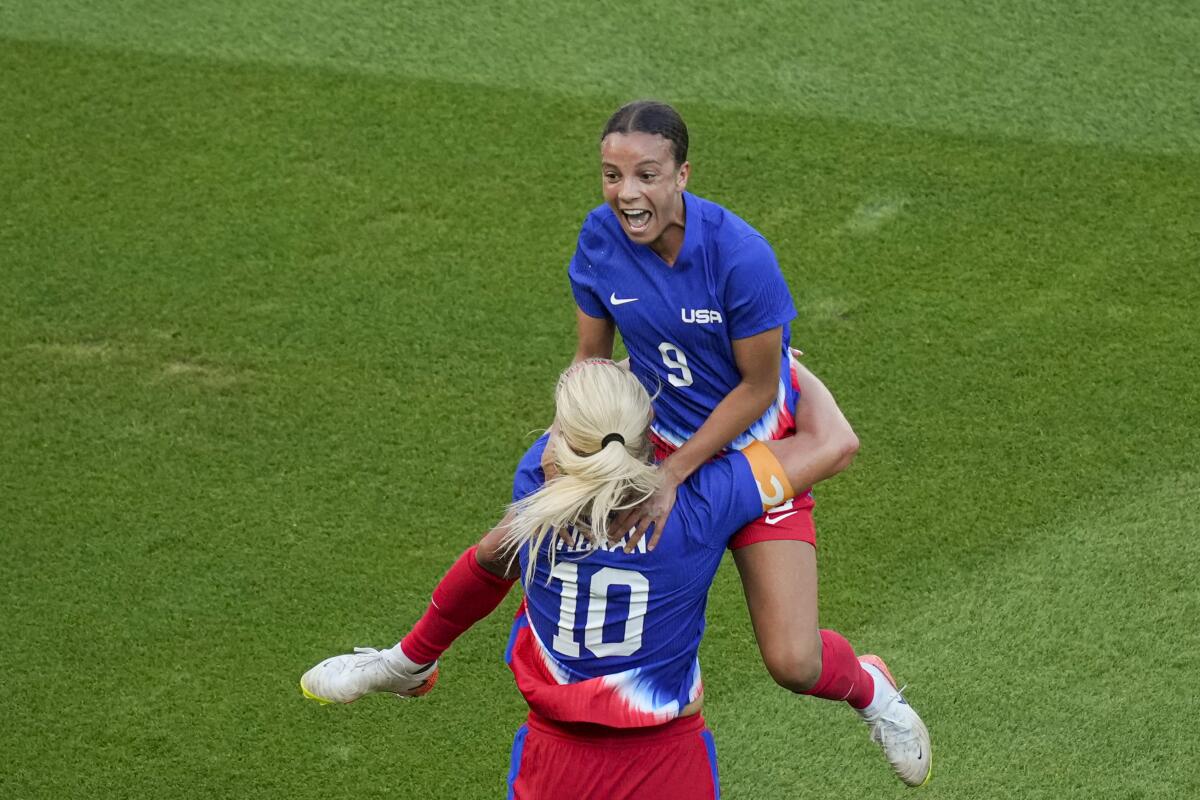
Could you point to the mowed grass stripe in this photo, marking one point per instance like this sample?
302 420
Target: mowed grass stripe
276 338
1061 671
1100 73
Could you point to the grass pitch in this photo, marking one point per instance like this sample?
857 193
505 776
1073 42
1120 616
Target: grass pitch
284 294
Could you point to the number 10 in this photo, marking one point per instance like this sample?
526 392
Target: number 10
639 592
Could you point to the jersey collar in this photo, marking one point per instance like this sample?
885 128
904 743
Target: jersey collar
693 230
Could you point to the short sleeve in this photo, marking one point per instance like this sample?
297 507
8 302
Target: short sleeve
756 295
529 476
731 492
584 276
724 498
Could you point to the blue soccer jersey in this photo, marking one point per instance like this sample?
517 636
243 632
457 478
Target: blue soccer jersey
611 638
679 322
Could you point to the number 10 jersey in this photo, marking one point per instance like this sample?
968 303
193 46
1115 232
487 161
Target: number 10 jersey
611 638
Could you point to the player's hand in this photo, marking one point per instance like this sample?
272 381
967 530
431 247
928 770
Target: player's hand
653 511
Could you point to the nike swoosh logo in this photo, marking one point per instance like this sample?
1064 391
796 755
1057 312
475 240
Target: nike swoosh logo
780 518
620 301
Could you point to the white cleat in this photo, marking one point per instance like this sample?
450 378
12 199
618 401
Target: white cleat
896 727
345 678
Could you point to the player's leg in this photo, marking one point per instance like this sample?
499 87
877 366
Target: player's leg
474 586
780 581
472 589
779 576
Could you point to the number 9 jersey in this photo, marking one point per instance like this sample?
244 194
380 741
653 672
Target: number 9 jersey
679 322
611 638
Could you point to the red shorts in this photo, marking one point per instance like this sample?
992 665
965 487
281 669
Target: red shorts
790 521
578 761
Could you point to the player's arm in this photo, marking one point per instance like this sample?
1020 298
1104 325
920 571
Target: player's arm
596 336
824 443
757 359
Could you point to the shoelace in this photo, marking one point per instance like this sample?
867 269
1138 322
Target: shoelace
890 729
374 657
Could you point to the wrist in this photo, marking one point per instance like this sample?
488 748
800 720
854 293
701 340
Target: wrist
672 473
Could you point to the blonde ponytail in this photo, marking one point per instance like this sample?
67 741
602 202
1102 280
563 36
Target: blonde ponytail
602 454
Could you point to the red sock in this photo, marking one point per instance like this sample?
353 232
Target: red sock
842 677
466 595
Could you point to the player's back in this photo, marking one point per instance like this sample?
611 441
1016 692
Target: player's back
611 637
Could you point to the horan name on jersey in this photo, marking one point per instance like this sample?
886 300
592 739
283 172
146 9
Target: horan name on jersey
574 542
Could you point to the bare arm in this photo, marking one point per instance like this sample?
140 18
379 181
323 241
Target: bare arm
596 336
757 358
824 443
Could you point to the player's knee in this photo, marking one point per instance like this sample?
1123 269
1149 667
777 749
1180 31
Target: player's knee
795 666
492 559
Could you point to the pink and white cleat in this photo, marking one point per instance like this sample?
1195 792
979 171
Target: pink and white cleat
345 678
896 727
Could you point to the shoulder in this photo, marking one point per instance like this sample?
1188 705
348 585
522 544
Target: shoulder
722 471
598 241
729 236
598 226
720 498
723 224
529 476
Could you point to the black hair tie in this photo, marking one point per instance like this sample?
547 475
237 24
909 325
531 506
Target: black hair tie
612 437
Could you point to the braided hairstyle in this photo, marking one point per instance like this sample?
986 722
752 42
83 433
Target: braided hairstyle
653 117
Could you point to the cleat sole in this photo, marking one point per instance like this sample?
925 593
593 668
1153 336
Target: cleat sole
312 696
425 688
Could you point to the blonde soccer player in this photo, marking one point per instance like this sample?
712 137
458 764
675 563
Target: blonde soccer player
604 649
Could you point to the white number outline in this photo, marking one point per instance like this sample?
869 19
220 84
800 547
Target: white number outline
604 579
564 639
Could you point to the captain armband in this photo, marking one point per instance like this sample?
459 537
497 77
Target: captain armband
773 484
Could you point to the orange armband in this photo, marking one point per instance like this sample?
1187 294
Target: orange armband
773 484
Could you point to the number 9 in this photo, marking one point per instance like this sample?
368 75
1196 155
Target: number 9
673 358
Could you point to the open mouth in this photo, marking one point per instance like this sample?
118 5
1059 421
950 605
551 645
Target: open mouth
638 219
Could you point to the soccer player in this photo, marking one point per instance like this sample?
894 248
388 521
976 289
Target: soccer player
703 310
604 650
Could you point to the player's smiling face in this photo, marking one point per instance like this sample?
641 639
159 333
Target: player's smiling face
644 187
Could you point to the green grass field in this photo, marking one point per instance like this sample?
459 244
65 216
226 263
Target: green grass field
284 295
